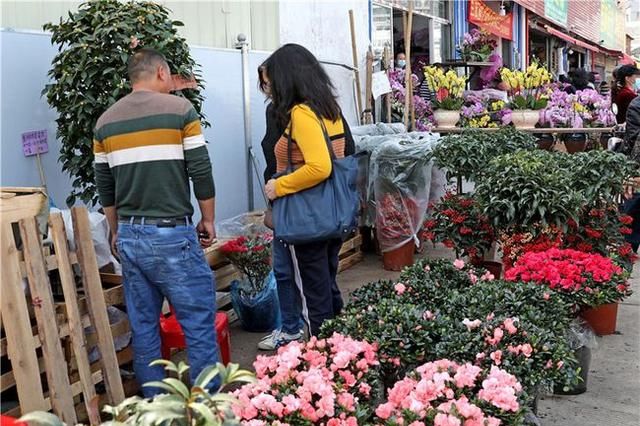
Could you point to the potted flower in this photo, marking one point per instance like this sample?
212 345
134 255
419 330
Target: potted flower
526 93
457 222
592 283
449 393
422 108
254 297
477 45
479 112
448 87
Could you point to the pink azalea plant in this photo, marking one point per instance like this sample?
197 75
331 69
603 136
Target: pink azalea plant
446 393
329 381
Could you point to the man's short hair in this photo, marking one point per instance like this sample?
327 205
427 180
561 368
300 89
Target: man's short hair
143 64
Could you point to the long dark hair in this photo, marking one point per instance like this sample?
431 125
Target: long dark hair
296 77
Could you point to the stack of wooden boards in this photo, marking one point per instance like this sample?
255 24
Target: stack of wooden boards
44 339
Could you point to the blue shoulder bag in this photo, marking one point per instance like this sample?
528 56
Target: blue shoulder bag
323 212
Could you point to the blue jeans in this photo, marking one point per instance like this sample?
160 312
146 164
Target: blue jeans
288 294
160 263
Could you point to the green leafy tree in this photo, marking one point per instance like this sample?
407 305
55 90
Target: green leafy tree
89 73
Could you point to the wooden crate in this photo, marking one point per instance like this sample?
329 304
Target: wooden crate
351 253
45 340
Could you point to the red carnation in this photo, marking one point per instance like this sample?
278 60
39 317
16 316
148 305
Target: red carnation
625 230
626 219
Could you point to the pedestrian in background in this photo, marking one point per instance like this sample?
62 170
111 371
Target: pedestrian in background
625 90
147 146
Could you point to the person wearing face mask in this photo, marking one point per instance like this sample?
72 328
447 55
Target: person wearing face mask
401 60
625 90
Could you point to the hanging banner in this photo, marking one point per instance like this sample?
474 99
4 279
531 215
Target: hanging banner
557 10
491 21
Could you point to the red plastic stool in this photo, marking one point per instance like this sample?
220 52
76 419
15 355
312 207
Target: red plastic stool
173 337
10 421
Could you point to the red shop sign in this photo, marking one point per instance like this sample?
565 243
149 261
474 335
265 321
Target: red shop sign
489 20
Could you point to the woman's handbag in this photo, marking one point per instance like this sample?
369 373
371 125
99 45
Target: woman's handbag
326 211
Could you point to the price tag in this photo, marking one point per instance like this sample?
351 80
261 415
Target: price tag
34 142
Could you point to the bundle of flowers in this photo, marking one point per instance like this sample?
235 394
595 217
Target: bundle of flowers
445 393
329 381
594 108
484 112
448 87
526 89
422 108
602 230
583 279
457 221
477 45
252 257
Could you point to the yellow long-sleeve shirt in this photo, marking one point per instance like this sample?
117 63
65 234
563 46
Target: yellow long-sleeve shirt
309 153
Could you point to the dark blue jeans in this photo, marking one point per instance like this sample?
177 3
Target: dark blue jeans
288 294
160 263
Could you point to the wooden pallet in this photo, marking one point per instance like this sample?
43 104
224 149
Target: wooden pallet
45 340
351 253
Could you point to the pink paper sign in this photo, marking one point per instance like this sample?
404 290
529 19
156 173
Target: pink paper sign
34 142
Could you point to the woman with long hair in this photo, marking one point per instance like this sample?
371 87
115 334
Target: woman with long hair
624 90
304 104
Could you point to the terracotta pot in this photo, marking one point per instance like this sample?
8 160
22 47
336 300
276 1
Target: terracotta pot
525 118
583 355
446 119
575 142
494 267
602 319
546 141
397 259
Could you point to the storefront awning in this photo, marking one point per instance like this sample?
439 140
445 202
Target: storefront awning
570 39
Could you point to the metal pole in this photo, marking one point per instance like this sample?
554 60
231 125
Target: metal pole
243 45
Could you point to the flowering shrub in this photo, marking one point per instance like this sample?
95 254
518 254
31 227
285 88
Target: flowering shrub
477 45
457 222
583 279
448 87
445 393
526 89
329 381
484 112
422 108
252 257
538 238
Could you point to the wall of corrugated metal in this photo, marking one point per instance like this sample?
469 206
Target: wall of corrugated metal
207 23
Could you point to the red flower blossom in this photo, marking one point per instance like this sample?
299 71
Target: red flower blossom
625 230
593 233
626 219
465 231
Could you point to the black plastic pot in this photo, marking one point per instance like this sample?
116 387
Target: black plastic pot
545 141
575 142
583 356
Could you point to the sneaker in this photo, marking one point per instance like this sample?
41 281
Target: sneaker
276 339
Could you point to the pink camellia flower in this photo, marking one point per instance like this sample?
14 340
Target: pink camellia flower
491 316
546 296
527 350
497 337
458 263
508 325
428 315
549 364
487 276
560 364
473 277
496 356
471 324
481 356
446 420
384 410
400 288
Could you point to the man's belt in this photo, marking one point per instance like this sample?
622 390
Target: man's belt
160 222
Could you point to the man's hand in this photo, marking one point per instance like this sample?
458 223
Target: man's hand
114 247
270 189
206 233
630 187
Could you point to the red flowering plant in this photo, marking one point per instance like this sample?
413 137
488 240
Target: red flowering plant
330 381
394 220
252 257
457 222
602 230
446 393
582 279
539 238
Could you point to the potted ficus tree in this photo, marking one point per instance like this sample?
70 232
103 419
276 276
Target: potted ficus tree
88 74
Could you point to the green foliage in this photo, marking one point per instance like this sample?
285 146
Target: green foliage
465 155
520 190
89 73
179 406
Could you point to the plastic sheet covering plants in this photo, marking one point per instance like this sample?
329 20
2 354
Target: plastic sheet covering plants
259 311
245 224
401 175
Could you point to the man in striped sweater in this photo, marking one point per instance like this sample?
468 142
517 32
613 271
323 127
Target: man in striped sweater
147 146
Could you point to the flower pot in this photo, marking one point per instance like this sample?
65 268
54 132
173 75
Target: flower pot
525 118
602 319
398 258
446 119
545 141
575 142
583 355
495 268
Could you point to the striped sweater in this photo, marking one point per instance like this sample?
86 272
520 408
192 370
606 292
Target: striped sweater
146 147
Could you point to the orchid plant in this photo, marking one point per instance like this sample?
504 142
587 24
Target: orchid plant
422 108
484 112
477 45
